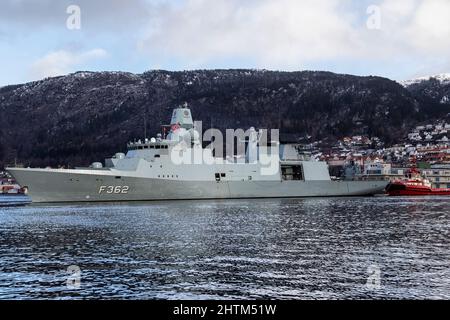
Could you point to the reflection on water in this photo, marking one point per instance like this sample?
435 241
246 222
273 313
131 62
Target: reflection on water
281 249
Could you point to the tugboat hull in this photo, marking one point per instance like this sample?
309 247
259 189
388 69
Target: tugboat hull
403 189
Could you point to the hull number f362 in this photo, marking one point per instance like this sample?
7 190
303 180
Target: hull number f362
113 189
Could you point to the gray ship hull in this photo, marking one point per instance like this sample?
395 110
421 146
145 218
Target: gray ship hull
69 186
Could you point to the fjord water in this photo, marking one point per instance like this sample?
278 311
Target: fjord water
324 248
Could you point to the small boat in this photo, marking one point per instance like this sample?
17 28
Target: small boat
414 184
8 187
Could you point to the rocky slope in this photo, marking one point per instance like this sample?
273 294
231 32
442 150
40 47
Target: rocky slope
75 119
433 91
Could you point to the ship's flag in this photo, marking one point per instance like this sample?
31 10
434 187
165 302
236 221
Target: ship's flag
175 127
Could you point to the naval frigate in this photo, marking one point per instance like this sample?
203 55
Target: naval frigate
162 169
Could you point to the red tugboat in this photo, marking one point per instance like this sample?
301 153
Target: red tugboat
414 184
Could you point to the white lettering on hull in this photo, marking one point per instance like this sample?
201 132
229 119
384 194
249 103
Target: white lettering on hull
113 189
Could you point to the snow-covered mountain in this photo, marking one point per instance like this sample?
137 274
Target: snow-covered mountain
443 78
430 90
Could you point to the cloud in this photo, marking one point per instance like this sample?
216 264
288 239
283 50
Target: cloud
275 33
418 25
289 34
430 27
99 16
270 34
417 30
62 62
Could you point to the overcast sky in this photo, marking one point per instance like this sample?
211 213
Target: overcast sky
399 39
